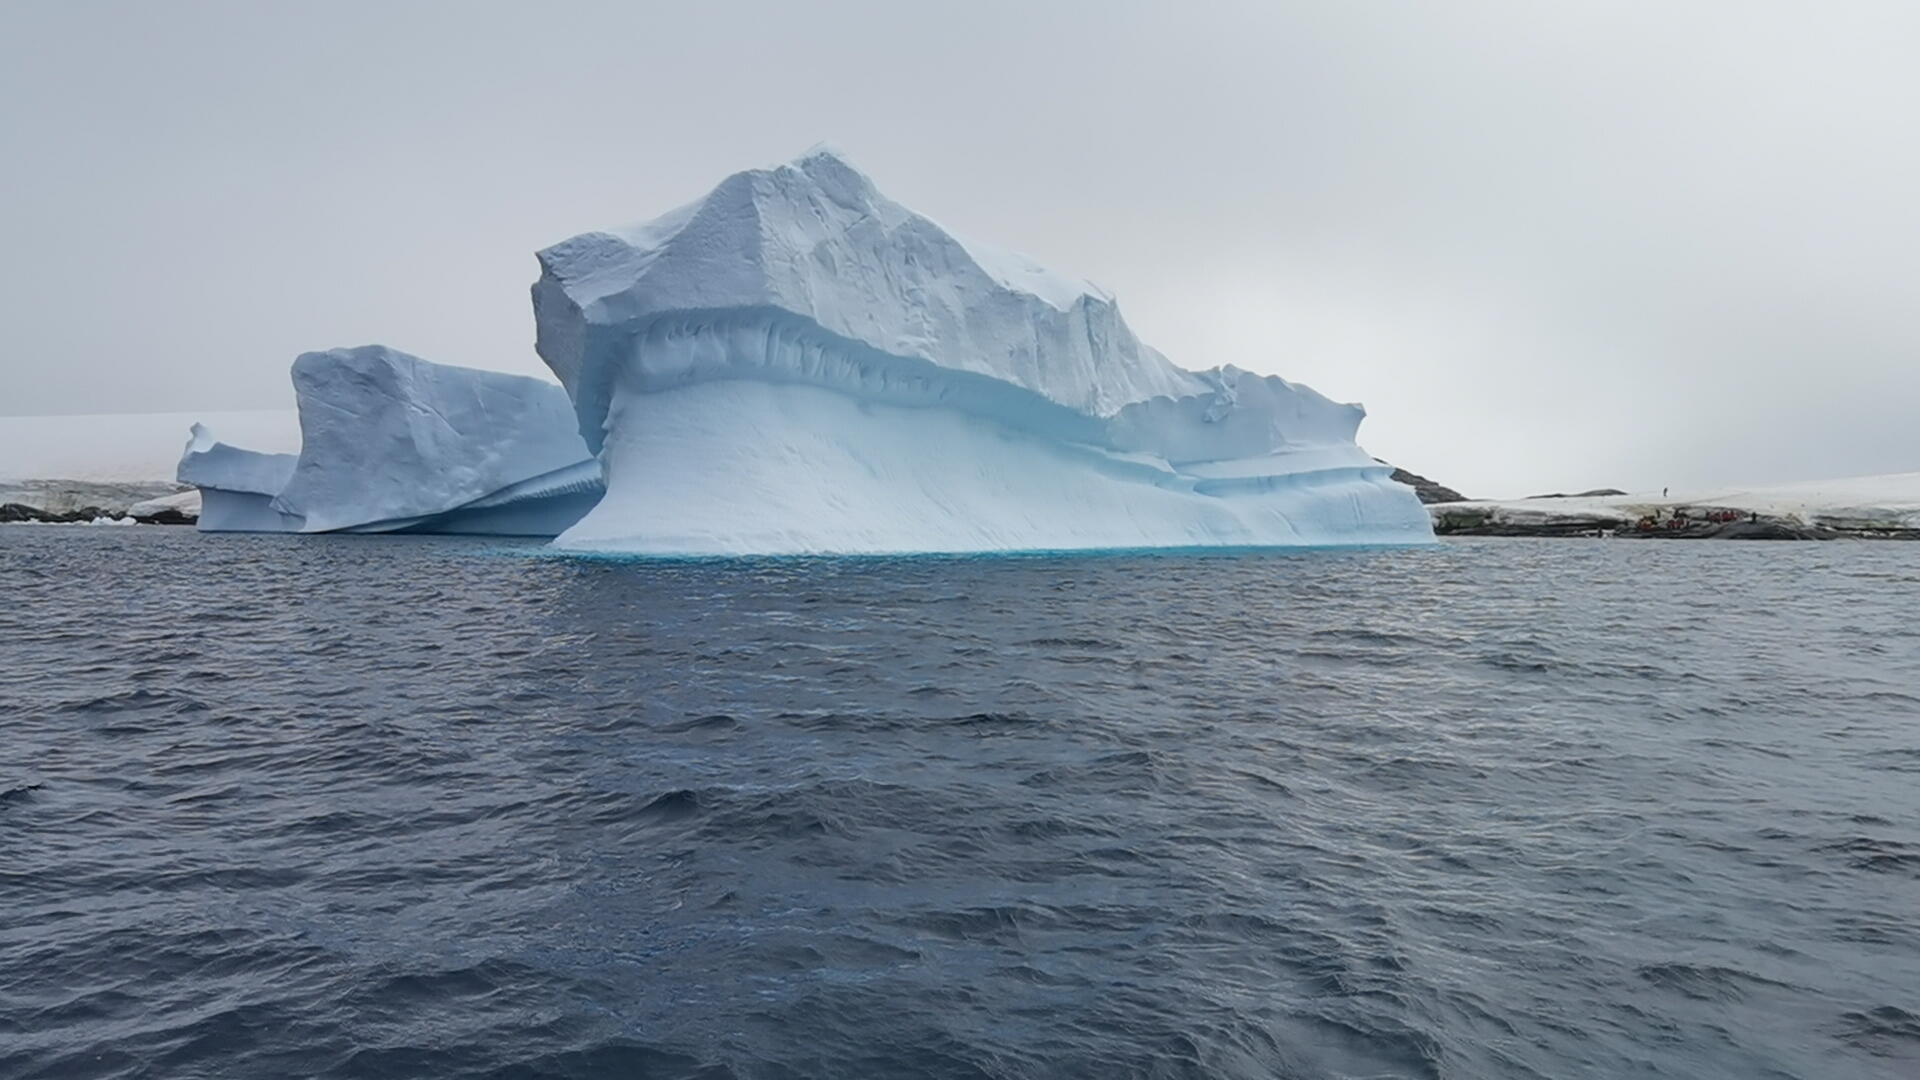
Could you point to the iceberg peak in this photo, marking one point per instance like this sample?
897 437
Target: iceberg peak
815 246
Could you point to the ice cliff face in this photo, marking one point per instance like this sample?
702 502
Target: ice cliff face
796 363
391 442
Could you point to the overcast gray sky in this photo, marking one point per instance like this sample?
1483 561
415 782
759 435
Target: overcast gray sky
1549 245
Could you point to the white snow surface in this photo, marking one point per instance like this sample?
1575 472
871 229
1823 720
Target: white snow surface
795 363
1888 501
183 502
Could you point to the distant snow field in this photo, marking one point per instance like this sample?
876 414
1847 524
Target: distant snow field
130 448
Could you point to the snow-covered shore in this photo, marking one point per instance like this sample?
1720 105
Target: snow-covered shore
127 448
66 501
1862 506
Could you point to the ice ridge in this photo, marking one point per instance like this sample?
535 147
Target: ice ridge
815 240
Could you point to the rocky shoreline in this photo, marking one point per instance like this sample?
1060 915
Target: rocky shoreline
1627 518
1454 521
61 502
1427 491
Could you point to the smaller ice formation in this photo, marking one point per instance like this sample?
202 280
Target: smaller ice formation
393 443
796 363
236 486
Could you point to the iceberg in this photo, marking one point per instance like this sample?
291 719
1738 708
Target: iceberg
797 364
394 443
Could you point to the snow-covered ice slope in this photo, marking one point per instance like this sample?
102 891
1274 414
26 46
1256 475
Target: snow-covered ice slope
391 442
795 363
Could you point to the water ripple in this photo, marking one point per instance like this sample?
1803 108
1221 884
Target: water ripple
393 806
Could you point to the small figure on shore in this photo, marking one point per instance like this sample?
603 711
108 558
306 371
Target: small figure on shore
1663 493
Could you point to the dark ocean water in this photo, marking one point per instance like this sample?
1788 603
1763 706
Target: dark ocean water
397 807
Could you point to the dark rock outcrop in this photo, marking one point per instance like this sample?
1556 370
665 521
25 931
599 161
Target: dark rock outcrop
1427 491
167 516
1703 523
58 502
20 512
